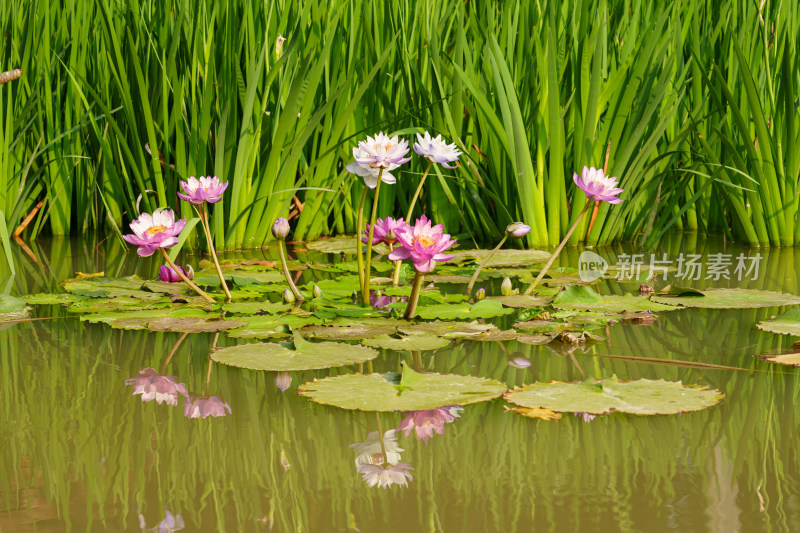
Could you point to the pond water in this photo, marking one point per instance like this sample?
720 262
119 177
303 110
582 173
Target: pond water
79 452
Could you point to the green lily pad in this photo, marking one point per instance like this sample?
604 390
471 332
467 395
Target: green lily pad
271 326
463 310
152 314
586 299
503 257
353 332
303 355
177 324
342 244
522 301
788 359
166 287
50 299
102 284
253 308
675 290
12 304
597 397
496 335
415 343
416 392
455 330
786 324
730 299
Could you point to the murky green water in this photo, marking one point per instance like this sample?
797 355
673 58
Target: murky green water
78 452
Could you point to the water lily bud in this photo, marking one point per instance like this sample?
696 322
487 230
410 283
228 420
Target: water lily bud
189 271
279 45
283 380
355 297
517 230
288 296
480 295
316 292
505 287
280 229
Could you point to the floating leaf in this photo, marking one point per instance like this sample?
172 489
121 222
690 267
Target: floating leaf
496 335
418 391
503 257
586 299
786 324
303 356
354 332
597 397
675 290
178 312
417 343
788 359
342 244
463 310
522 301
50 299
447 329
731 299
252 308
177 324
12 304
535 412
271 326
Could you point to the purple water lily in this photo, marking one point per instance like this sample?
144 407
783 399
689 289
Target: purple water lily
436 150
205 406
423 243
597 186
151 232
428 421
205 189
168 274
384 230
153 386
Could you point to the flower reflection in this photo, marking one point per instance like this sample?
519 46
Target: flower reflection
586 416
169 524
428 421
384 477
153 386
205 406
283 380
369 452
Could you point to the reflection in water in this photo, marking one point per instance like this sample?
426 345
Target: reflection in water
586 416
428 421
153 386
169 524
370 452
283 380
385 477
205 406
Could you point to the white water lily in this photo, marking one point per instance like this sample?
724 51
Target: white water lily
369 173
369 452
385 477
436 150
382 151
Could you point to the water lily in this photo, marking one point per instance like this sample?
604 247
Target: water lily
167 274
516 230
153 386
279 45
280 229
423 243
370 453
597 186
151 232
436 149
385 477
381 151
205 406
427 421
283 380
384 231
205 189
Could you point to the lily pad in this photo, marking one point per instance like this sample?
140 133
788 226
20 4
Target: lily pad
463 310
730 299
503 257
522 301
786 324
601 396
353 332
303 355
454 330
416 392
587 299
12 304
253 308
788 359
271 326
177 324
416 343
342 244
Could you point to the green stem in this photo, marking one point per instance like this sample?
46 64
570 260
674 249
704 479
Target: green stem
286 274
207 228
359 244
380 438
367 266
172 352
396 276
560 247
418 191
483 264
411 308
197 289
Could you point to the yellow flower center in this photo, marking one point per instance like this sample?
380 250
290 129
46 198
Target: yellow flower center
152 230
425 241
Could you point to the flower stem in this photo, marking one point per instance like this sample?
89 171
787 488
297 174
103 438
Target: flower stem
560 247
359 245
207 228
418 191
483 264
172 352
411 308
396 277
380 438
367 266
197 289
286 274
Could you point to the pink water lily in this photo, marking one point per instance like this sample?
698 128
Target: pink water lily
384 230
428 421
153 386
385 477
151 232
168 274
205 406
423 243
436 150
597 186
205 189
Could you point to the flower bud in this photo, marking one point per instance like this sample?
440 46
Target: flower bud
480 295
189 271
316 292
283 380
280 229
505 287
288 296
279 46
517 230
